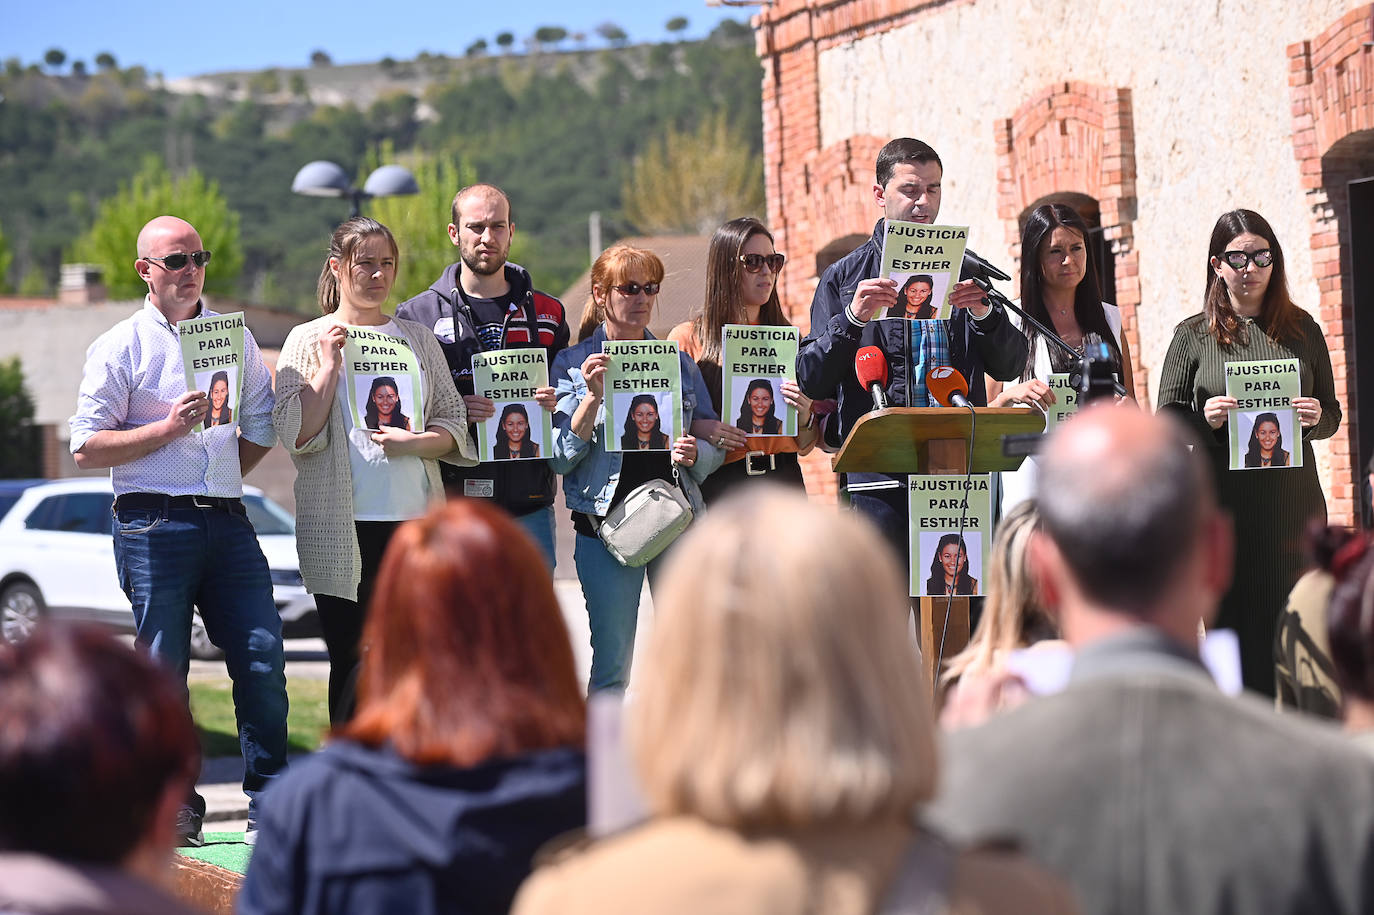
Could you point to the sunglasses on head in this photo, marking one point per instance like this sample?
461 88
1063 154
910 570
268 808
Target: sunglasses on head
1238 259
178 261
628 289
754 263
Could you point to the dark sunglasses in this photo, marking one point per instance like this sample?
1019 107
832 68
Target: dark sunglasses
1238 259
178 261
755 263
629 289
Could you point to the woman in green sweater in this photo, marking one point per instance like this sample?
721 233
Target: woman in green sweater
1248 315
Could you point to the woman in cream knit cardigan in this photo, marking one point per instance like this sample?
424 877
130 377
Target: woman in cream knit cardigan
355 485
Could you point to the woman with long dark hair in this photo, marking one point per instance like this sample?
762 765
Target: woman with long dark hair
1265 448
1059 288
384 405
1248 314
355 485
915 300
742 270
756 411
513 434
465 754
643 426
221 414
949 568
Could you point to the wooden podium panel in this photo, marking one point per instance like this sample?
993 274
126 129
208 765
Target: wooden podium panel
932 440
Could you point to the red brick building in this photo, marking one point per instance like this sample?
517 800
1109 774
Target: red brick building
1151 120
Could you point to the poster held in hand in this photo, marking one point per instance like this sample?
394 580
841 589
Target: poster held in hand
382 379
755 361
1264 430
925 261
643 395
212 356
1066 400
941 560
520 429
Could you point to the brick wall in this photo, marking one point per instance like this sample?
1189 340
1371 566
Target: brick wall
1331 80
1077 137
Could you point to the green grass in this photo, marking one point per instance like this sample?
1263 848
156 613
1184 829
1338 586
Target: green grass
212 704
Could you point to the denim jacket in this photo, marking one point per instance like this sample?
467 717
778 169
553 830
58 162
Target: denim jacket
590 472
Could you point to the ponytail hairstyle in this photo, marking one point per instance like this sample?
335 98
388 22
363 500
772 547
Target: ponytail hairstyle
350 233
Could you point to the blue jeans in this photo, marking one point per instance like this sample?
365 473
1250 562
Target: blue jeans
171 560
539 525
611 591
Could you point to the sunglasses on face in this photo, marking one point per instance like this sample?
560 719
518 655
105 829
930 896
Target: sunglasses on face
1238 259
178 261
754 263
629 289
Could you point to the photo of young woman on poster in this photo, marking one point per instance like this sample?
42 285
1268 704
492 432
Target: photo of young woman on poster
1265 448
949 565
644 425
384 405
916 299
757 415
515 436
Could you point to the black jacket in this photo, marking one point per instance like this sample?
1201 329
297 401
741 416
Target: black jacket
825 362
355 829
518 486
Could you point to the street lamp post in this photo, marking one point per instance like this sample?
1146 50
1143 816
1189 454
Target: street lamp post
323 178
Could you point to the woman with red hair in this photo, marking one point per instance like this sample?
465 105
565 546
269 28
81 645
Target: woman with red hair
465 753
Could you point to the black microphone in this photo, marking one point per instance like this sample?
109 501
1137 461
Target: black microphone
977 268
870 366
948 386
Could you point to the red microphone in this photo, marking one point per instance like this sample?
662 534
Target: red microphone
947 386
870 365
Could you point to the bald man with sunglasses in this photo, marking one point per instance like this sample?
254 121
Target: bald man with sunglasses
181 535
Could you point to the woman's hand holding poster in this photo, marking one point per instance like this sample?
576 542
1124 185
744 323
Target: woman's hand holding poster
382 381
520 429
755 361
925 261
943 560
212 356
643 395
1263 428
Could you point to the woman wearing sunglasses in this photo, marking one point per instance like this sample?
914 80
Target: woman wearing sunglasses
742 288
1247 314
625 283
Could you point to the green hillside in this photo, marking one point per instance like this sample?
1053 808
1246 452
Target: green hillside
559 131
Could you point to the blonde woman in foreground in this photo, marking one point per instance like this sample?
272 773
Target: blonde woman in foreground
783 739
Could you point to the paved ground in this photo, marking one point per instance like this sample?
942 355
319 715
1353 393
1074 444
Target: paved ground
221 779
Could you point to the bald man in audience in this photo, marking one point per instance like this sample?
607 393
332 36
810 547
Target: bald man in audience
1142 783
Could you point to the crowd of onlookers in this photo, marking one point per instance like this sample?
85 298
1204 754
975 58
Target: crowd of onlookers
781 733
781 739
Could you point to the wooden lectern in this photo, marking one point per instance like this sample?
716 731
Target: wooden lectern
901 440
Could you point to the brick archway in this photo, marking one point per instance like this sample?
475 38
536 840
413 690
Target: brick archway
1330 80
1079 138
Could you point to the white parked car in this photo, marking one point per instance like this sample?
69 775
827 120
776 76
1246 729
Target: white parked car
57 559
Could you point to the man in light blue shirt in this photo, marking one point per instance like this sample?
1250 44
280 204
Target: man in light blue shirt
181 535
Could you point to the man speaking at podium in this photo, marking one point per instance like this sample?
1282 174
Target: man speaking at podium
977 339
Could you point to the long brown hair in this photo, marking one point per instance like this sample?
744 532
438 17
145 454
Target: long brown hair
1278 315
723 301
350 233
612 268
468 657
1087 298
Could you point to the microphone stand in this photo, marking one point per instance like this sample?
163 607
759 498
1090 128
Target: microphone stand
998 299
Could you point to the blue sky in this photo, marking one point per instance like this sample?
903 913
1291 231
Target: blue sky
183 39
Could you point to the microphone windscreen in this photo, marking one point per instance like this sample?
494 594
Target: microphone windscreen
944 382
870 366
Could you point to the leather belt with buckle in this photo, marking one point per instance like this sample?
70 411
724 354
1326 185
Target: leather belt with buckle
759 471
154 501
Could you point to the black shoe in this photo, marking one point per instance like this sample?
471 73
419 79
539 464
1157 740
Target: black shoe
189 834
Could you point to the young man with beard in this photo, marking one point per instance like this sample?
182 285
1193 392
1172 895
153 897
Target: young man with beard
483 303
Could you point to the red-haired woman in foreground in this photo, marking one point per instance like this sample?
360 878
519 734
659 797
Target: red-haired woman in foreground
465 753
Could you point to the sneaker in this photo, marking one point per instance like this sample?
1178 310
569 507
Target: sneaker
250 835
189 834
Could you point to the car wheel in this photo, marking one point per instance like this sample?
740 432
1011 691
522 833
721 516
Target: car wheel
21 609
202 649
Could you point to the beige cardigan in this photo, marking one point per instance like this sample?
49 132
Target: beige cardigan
326 539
